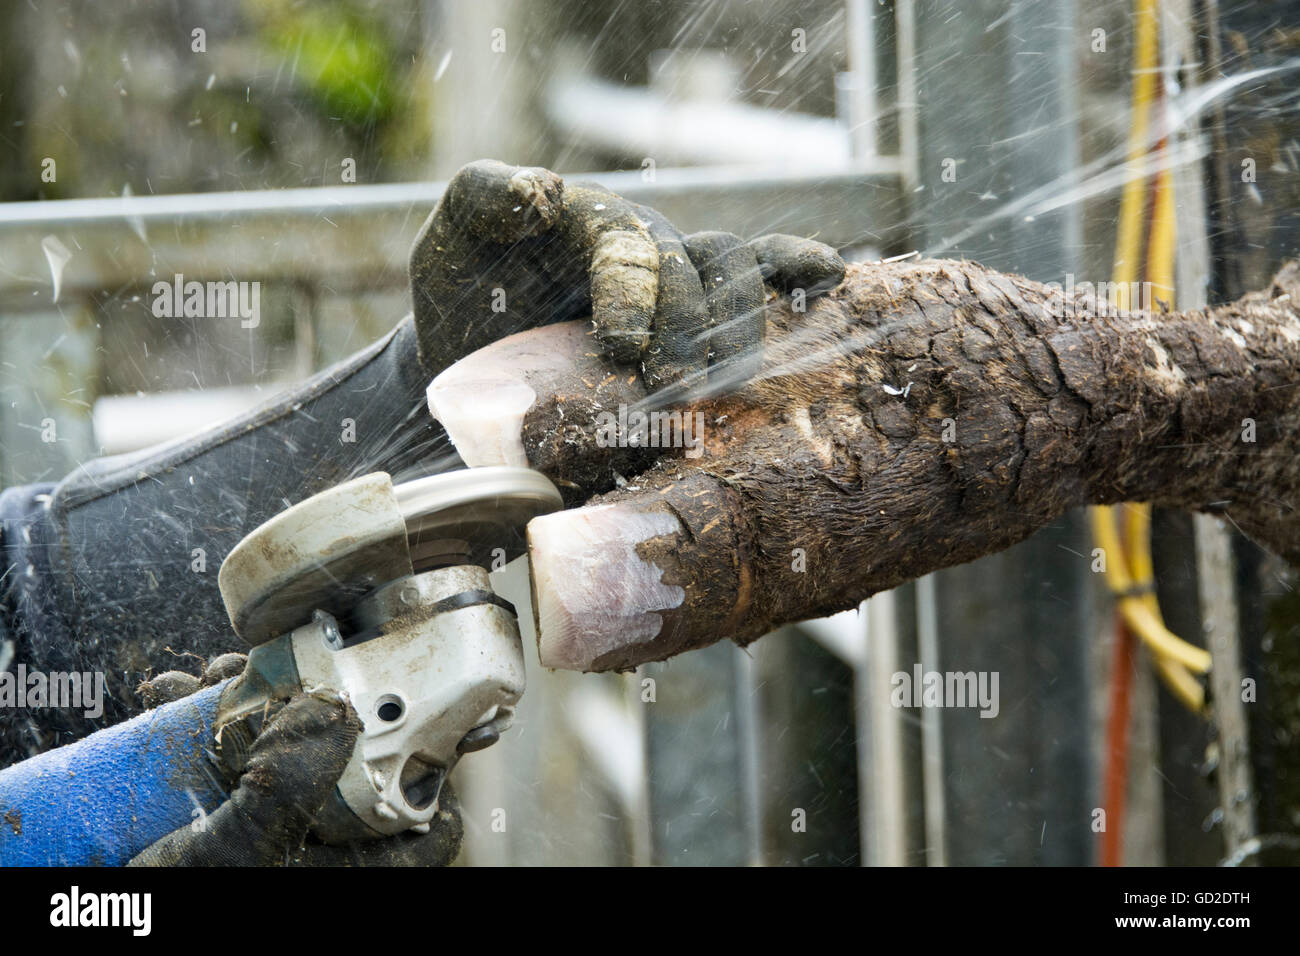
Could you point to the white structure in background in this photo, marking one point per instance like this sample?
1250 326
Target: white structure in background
125 423
688 116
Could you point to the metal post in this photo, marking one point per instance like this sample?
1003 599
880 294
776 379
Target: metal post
1214 567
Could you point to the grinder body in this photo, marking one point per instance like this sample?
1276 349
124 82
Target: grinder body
435 657
373 590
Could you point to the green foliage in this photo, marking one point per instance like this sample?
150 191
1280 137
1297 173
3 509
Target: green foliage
344 60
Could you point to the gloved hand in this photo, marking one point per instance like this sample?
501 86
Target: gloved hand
511 248
293 767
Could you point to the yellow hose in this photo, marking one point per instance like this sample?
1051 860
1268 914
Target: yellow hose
1137 536
1137 533
1174 659
1160 639
1178 680
1145 61
1136 607
1130 573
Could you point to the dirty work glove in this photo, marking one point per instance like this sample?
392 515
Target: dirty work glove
511 248
293 767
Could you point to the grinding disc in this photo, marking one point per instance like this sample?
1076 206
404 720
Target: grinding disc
473 516
327 552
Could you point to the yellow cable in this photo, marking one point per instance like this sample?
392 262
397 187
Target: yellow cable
1135 608
1145 61
1115 562
1130 574
1178 680
1160 639
1137 539
1160 274
1137 533
1160 251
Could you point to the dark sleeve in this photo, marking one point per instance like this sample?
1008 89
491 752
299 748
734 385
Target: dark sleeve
115 567
25 606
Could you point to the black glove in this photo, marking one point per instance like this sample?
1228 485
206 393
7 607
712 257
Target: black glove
293 767
511 248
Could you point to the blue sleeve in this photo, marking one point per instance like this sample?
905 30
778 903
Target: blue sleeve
103 799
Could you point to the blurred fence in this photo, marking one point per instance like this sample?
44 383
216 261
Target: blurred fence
331 263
